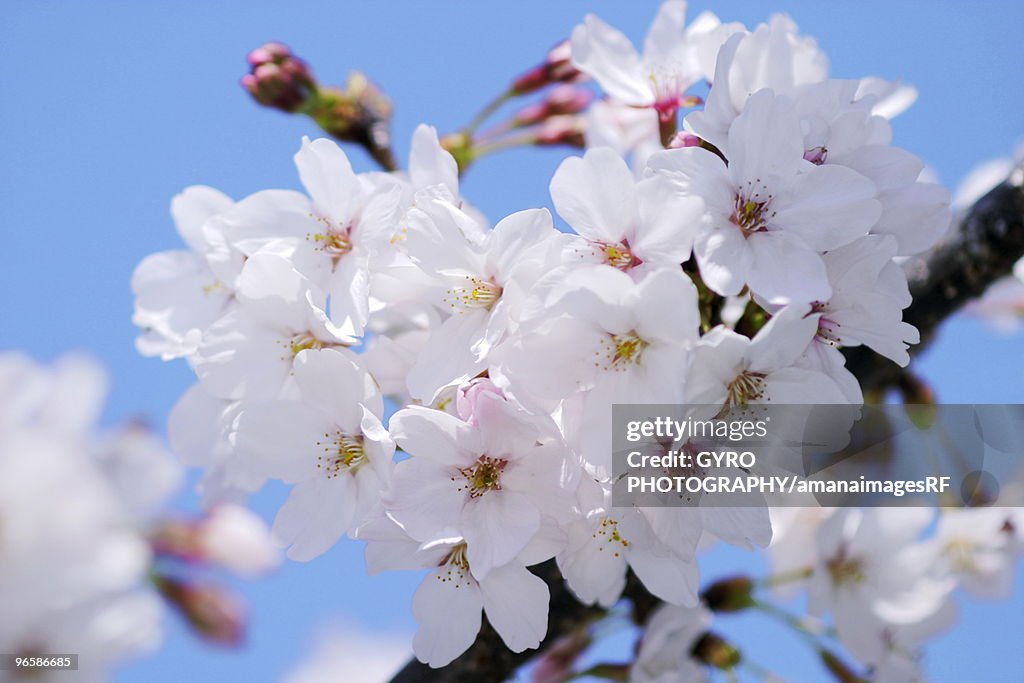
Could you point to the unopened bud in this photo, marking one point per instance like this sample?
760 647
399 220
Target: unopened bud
213 612
732 594
564 99
278 78
715 651
469 395
567 129
556 68
177 539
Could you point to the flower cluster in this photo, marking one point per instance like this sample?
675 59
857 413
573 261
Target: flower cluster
723 266
86 549
886 575
75 506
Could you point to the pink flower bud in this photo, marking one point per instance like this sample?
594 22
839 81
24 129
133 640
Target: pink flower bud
567 129
469 395
556 68
216 614
567 99
278 78
564 99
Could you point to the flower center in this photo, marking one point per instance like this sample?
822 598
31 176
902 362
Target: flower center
618 255
827 329
475 294
816 155
335 241
752 209
302 341
621 350
746 387
843 569
457 565
607 533
484 475
961 553
343 453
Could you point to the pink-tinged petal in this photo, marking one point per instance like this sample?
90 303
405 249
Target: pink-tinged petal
238 358
606 54
440 238
516 604
349 290
829 206
435 435
268 216
765 140
887 167
430 164
595 573
555 361
725 259
665 35
194 426
595 195
715 362
796 386
696 172
782 269
192 208
917 216
669 222
330 380
328 177
513 237
316 514
497 526
668 577
176 298
378 444
448 356
424 499
782 340
712 122
740 526
666 308
273 292
447 606
285 440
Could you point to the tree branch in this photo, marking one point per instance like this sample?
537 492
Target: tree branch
990 239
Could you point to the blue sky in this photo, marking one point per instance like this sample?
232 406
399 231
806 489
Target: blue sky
109 108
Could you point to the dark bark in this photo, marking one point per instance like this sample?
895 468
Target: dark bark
990 239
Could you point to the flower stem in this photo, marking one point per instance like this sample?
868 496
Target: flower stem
487 110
